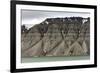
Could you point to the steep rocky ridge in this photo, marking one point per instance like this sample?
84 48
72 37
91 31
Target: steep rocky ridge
68 36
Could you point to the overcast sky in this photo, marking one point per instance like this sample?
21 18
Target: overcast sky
32 17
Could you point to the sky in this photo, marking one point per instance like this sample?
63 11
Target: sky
33 17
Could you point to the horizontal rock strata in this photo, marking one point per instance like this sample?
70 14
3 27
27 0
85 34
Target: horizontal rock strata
68 36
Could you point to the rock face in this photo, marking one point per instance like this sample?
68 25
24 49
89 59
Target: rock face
68 36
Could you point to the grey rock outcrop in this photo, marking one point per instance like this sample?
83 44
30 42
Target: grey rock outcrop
68 36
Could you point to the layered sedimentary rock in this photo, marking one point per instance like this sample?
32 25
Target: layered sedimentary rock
68 36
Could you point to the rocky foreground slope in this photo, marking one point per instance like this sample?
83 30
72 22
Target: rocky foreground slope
68 36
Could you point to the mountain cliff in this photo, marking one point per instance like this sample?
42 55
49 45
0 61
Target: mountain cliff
68 36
